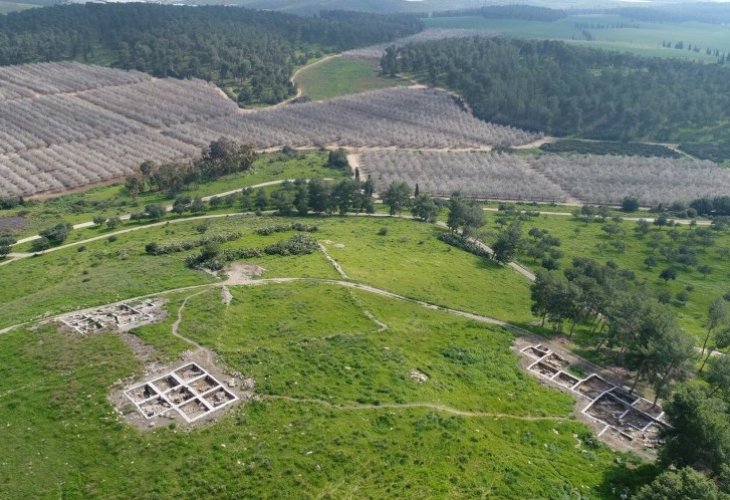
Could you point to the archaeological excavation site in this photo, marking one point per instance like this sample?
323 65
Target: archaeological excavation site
619 416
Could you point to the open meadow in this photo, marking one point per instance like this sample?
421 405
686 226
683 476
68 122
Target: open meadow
341 76
703 279
338 413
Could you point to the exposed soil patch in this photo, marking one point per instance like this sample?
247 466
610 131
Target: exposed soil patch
12 223
241 273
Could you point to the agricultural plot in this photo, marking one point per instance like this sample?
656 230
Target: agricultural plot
428 35
553 178
474 174
608 179
397 117
66 125
28 80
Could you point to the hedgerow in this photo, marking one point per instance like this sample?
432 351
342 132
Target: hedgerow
182 246
467 245
282 228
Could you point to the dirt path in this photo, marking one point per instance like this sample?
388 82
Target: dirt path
176 324
334 263
536 144
168 208
401 406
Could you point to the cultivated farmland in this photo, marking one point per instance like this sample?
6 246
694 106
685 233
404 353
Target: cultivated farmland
586 178
474 174
66 125
396 117
608 179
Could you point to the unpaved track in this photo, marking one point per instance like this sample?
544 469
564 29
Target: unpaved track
334 263
176 324
401 406
168 208
262 282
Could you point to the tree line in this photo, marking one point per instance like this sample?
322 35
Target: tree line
254 52
565 90
219 158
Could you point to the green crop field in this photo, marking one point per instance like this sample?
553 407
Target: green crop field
615 33
341 76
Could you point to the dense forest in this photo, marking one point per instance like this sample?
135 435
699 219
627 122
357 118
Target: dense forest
564 90
251 52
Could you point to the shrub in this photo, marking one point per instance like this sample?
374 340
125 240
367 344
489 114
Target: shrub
41 244
57 234
338 159
466 245
383 231
298 226
630 204
113 222
182 246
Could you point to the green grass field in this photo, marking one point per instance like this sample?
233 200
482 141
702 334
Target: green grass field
301 341
341 76
587 239
339 413
644 40
109 271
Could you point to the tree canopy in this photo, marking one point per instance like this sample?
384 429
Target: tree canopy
252 52
565 90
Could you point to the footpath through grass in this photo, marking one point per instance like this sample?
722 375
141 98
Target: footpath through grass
64 439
